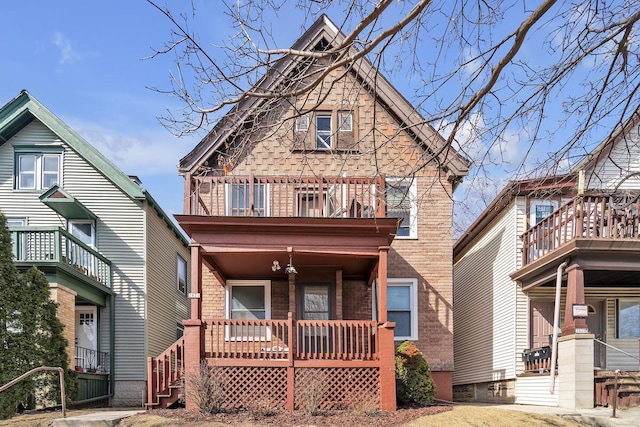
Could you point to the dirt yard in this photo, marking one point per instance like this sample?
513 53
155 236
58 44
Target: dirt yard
436 416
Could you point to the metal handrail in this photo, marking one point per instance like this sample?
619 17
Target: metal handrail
617 349
38 369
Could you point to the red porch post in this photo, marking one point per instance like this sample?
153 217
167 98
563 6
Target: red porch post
194 327
575 295
386 347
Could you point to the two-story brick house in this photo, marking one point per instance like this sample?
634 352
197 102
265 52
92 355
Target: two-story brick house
321 238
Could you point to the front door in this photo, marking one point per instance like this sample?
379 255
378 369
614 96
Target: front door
595 324
315 304
86 336
541 323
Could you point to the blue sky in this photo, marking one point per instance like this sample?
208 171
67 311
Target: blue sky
83 60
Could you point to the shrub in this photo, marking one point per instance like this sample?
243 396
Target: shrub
413 376
206 389
312 395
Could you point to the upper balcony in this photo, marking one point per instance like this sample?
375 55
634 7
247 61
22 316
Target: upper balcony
584 217
54 246
336 197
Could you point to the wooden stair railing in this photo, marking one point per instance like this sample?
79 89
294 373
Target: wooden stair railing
164 375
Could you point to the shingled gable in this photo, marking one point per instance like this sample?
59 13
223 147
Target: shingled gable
323 29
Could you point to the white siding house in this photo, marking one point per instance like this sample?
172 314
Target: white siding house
110 249
581 230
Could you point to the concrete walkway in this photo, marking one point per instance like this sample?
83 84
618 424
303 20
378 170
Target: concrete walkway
598 416
97 419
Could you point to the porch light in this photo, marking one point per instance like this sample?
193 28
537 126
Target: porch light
290 269
276 265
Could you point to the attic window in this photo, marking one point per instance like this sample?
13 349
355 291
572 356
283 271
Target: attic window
323 131
302 123
345 122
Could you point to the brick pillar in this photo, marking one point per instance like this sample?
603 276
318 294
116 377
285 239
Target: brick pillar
575 295
387 367
66 313
193 352
575 371
292 295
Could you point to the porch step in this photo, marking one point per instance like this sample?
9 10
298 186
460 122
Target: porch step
97 419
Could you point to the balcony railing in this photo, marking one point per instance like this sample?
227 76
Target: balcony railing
589 217
56 245
337 197
339 340
88 360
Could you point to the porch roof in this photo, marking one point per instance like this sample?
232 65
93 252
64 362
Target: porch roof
246 247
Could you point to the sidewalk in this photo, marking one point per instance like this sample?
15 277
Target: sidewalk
598 416
97 419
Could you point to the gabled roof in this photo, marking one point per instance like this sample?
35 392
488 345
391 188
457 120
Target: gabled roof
324 29
24 108
603 149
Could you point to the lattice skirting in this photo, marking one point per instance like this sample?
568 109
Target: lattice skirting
246 386
328 388
340 388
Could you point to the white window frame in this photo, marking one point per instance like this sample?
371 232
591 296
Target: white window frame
617 313
229 199
228 290
413 209
302 123
329 133
38 169
345 125
181 262
72 223
413 292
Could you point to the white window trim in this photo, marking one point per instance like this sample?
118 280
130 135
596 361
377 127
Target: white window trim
325 115
228 194
341 116
413 210
186 274
413 283
267 307
302 123
38 169
534 204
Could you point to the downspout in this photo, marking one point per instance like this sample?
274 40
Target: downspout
112 341
556 321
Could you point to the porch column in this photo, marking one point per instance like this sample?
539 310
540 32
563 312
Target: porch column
387 367
196 281
382 283
575 295
194 327
292 295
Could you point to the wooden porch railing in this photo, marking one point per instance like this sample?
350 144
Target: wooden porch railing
165 372
336 197
331 340
583 217
55 244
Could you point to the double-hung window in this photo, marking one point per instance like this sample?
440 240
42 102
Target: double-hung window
246 199
402 307
402 203
248 300
181 266
324 133
628 319
37 171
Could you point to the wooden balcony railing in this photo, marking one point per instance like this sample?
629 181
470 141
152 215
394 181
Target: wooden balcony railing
339 340
56 245
583 217
338 197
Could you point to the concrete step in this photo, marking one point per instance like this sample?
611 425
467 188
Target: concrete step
97 419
